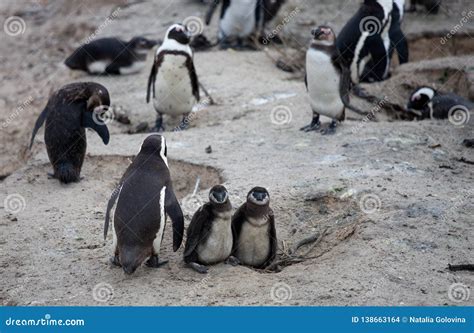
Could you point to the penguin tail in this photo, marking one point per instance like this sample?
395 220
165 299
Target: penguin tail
66 173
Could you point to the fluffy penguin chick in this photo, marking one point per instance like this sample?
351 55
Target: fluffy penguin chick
253 228
209 235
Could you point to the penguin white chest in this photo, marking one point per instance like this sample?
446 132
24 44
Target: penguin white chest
253 246
323 84
239 19
173 90
218 244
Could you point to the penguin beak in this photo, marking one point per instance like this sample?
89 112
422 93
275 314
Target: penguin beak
259 196
316 33
220 196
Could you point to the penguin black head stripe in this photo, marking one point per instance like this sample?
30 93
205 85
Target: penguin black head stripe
179 33
69 111
420 98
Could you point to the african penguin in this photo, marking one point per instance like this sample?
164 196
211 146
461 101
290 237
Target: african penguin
253 228
396 41
267 10
322 65
427 103
111 56
365 39
69 111
209 235
238 20
173 82
144 197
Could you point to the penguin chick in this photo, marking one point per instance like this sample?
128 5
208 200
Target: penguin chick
253 228
209 235
69 111
173 82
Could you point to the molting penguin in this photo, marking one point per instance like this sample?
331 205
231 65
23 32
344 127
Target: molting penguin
322 65
145 196
365 39
111 56
426 103
69 111
173 80
253 227
238 20
209 235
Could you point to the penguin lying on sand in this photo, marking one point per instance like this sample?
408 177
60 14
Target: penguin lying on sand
209 236
327 81
173 83
69 111
144 197
111 56
425 102
253 227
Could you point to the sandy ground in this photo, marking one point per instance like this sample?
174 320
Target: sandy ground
394 198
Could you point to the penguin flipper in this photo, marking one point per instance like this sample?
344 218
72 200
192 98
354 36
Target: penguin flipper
345 85
194 78
273 239
173 209
38 124
88 121
110 205
152 76
379 59
399 42
198 229
237 220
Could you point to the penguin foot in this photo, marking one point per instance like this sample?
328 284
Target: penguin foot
330 130
314 126
115 261
233 261
198 268
154 262
157 129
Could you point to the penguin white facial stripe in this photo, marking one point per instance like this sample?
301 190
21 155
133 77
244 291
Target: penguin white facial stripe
159 235
173 45
162 152
423 91
355 61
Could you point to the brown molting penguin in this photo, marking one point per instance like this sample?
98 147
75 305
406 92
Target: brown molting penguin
144 197
253 228
209 236
69 111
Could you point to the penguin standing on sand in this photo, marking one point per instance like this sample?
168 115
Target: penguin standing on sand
144 197
111 56
398 40
69 111
209 236
173 82
427 103
238 20
253 227
364 39
322 66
